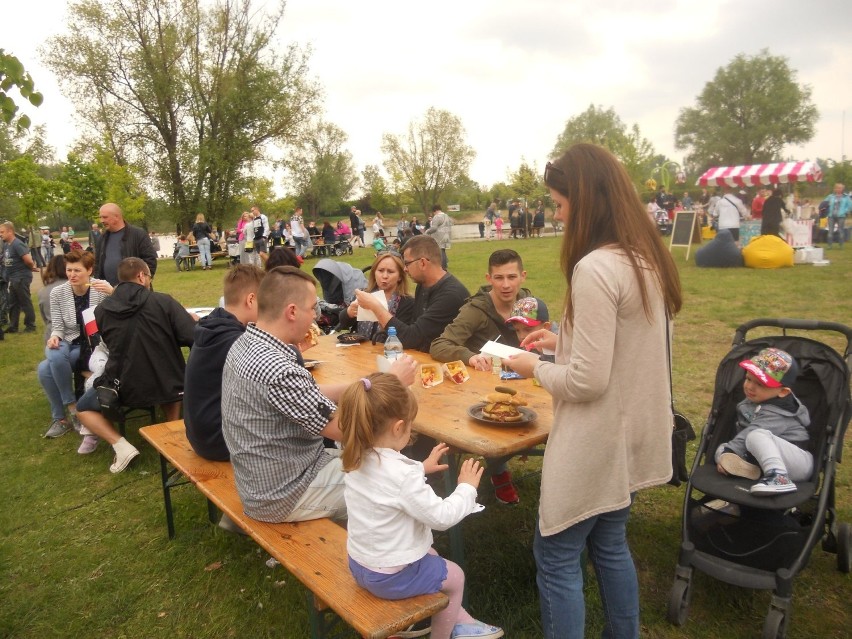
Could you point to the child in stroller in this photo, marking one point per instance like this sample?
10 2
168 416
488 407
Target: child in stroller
772 427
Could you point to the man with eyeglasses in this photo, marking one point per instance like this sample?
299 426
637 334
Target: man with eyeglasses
437 300
144 331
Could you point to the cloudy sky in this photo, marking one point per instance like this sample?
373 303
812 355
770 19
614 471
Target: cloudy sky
515 70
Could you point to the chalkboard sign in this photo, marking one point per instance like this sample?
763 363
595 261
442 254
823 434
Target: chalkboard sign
684 223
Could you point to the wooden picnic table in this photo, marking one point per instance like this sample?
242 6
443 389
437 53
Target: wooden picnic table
443 410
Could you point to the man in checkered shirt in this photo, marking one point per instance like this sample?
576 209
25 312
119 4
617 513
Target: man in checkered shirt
274 416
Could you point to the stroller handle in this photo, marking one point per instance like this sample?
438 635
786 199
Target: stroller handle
794 324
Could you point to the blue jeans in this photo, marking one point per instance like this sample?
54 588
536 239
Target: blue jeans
204 251
560 577
56 374
301 245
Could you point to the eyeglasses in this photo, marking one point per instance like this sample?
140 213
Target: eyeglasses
549 169
416 259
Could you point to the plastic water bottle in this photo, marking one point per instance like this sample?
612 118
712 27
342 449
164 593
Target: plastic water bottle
393 347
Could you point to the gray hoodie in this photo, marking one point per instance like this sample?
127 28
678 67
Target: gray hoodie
785 417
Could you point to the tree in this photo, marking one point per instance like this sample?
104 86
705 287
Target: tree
375 189
13 74
430 157
527 182
603 127
747 114
322 172
34 196
192 92
85 188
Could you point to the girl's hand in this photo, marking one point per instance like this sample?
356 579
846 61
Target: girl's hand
53 342
470 472
540 339
432 464
523 364
352 309
404 368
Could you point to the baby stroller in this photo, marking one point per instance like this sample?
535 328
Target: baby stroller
763 542
233 251
338 281
342 245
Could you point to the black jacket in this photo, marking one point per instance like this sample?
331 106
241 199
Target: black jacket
144 332
134 243
202 399
434 308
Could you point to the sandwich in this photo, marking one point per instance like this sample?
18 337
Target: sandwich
502 405
312 336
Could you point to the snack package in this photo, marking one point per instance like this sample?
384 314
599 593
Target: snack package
456 371
431 375
510 375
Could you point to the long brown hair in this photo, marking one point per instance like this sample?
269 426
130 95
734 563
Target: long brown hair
605 209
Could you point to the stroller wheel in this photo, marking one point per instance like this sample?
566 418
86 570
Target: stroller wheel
679 602
775 626
350 250
338 251
844 547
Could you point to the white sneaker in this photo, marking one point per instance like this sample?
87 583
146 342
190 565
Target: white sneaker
125 452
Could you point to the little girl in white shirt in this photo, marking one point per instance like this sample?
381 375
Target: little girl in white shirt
392 510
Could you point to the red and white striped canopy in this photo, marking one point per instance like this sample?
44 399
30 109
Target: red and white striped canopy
755 174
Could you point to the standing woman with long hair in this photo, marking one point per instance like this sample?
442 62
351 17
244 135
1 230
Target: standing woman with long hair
612 421
202 231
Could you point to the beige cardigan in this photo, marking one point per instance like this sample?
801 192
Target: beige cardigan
612 421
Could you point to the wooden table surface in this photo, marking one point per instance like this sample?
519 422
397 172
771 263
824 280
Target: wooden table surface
443 409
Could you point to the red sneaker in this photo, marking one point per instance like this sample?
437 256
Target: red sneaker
504 489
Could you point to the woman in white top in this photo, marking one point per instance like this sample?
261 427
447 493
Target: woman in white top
67 336
612 418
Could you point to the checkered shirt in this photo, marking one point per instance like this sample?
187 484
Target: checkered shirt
272 413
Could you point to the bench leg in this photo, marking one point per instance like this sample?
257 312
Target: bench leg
212 512
325 624
166 476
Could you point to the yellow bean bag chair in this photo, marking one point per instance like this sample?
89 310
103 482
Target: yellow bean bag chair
768 251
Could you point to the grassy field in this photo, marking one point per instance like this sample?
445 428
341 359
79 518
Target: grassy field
84 553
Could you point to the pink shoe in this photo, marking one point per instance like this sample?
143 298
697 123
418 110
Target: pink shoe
88 445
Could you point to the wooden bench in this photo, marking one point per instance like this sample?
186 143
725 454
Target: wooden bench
312 551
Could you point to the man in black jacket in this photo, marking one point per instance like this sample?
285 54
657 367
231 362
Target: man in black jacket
120 240
214 335
144 332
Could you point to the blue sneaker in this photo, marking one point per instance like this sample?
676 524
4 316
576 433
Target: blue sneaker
773 484
476 629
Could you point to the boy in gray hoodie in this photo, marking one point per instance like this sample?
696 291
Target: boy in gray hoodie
772 436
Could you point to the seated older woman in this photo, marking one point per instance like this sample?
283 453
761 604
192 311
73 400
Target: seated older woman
387 275
64 346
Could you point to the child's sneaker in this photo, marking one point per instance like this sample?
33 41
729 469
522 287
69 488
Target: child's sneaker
739 467
773 484
504 489
476 629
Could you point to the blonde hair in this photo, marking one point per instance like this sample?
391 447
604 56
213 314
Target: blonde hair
402 283
366 410
199 217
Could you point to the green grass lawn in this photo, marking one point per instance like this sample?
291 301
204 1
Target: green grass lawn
84 553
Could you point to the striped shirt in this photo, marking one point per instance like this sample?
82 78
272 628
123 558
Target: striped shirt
272 414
